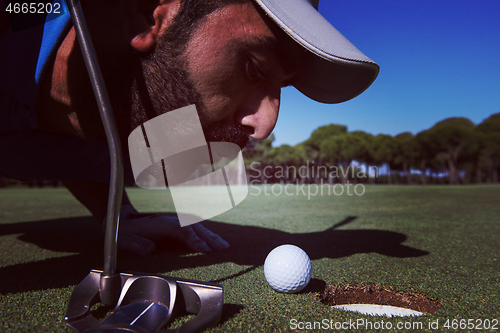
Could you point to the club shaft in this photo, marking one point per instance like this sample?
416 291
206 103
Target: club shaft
108 121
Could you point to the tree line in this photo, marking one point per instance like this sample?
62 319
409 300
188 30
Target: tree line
453 151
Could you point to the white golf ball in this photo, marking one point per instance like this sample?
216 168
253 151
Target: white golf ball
287 269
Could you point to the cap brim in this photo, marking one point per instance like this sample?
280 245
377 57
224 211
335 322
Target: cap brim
334 70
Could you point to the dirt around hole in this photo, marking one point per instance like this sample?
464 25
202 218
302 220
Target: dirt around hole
374 294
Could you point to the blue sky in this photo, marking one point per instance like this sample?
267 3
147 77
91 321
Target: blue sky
438 59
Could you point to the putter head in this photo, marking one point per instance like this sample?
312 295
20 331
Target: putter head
147 304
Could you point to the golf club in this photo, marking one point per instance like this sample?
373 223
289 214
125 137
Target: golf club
142 302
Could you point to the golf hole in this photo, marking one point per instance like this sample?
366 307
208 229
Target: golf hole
378 301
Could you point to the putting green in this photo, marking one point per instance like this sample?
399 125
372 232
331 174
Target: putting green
439 241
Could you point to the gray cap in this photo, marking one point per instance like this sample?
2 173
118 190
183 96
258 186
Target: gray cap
334 70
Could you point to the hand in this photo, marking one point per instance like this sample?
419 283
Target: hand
138 233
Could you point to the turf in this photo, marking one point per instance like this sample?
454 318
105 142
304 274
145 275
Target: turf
443 242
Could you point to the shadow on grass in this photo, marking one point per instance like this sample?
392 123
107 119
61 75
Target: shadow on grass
229 311
314 286
80 239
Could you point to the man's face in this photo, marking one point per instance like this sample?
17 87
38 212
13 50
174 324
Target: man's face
233 68
238 67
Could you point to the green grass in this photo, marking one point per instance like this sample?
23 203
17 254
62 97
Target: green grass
443 242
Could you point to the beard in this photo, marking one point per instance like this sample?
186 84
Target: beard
141 88
167 86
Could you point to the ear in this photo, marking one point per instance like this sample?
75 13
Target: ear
144 20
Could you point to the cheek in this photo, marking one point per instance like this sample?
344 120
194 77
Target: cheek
226 93
220 86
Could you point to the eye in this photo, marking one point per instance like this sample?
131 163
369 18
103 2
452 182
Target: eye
253 71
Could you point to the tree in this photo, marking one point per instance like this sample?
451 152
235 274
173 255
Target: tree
425 153
332 151
488 133
343 149
406 154
302 154
363 152
383 149
288 158
323 133
320 135
355 146
258 153
452 139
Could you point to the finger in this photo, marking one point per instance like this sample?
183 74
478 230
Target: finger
214 241
133 243
156 227
193 241
152 226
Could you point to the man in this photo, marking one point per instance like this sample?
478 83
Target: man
228 57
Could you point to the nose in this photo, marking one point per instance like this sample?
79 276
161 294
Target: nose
262 113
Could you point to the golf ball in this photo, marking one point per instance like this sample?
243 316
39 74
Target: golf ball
287 269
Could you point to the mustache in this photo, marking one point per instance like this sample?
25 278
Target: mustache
223 132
